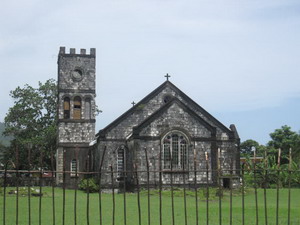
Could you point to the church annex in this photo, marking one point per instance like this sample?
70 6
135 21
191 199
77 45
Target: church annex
166 124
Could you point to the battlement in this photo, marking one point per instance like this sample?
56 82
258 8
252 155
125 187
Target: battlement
62 51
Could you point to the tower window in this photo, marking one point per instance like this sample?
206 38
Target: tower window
77 108
175 151
87 110
74 168
66 108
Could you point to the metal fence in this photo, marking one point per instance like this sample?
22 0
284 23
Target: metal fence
255 200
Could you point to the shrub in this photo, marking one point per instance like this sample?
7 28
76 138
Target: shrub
89 184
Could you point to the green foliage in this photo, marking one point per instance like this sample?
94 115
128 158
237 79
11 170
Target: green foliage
246 147
4 140
268 174
32 123
89 184
284 138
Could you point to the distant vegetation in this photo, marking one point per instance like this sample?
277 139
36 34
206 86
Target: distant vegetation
3 139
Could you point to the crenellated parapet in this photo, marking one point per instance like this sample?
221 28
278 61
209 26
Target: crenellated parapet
72 52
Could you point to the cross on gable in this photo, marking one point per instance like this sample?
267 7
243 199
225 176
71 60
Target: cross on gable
167 76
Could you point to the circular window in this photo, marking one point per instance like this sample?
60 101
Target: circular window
77 75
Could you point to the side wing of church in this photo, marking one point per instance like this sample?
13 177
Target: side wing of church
166 127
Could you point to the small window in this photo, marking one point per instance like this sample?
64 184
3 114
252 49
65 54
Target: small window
74 168
66 108
77 108
87 114
121 162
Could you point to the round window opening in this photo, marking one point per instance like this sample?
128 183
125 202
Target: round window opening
77 75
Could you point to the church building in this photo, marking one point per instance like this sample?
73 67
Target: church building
166 130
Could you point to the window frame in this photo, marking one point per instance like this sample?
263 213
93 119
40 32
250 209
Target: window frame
74 173
175 149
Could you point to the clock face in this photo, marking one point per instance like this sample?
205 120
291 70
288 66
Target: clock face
77 75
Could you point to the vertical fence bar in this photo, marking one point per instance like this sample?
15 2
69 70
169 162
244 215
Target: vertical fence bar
53 187
148 186
100 193
172 191
184 191
195 183
289 193
124 188
220 186
207 190
29 186
255 187
64 187
230 186
138 193
113 194
265 186
277 191
243 194
88 192
75 186
4 194
17 185
160 186
40 188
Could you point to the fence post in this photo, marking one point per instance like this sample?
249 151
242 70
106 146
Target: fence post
278 180
195 184
148 185
265 188
100 176
220 186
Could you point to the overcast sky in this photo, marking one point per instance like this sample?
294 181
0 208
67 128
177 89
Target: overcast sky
238 59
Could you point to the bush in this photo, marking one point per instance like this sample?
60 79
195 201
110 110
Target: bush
89 185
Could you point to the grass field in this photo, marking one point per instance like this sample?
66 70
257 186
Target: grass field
132 209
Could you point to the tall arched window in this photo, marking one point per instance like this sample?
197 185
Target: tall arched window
77 108
87 109
175 146
121 162
66 108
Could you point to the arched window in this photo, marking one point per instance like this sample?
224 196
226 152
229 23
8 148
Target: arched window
87 109
77 108
175 146
121 162
66 108
74 168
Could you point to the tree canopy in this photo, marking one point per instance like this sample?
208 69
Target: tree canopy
32 122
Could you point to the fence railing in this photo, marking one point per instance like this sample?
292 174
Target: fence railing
260 196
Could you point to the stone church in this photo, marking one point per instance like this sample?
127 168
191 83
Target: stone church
166 124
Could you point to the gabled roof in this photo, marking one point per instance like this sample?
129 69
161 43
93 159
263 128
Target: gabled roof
164 108
154 93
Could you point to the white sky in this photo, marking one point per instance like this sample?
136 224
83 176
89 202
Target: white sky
239 59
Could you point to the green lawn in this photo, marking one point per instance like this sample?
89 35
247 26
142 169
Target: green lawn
132 209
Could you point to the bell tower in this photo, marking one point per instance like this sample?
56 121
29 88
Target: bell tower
76 111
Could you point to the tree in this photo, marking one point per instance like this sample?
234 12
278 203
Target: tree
284 138
246 148
32 122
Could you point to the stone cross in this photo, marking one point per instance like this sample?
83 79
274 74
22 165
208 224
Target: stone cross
133 103
167 76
